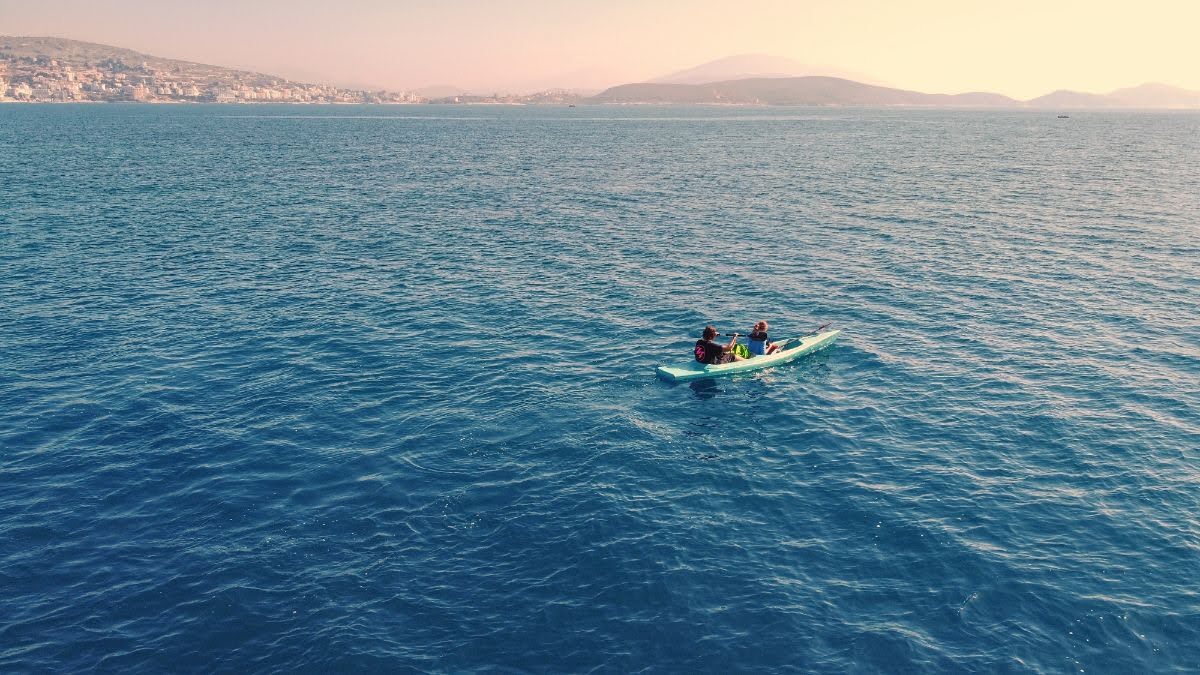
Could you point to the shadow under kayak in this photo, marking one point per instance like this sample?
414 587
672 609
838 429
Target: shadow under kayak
790 350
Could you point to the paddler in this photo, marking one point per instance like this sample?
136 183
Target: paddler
760 344
708 351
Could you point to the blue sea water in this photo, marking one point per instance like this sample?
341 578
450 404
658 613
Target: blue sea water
334 389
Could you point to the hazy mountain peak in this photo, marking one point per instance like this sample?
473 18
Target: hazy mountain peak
808 90
1156 95
746 66
1150 95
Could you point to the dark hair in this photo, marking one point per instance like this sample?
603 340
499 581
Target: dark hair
709 332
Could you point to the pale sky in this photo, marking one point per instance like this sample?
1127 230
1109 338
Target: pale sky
1023 48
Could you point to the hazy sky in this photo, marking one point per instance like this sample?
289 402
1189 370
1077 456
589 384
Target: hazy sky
1022 48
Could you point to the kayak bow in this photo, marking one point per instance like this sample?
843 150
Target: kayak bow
789 350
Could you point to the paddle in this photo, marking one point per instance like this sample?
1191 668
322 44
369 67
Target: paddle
816 330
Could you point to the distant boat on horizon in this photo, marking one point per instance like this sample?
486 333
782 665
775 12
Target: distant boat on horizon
1064 117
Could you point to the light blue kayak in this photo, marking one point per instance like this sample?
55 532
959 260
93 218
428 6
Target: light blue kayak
789 350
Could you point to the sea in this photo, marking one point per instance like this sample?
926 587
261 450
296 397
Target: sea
333 389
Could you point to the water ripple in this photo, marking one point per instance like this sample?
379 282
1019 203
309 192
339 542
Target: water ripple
377 394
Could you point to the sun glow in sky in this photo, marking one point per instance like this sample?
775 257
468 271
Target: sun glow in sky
1023 48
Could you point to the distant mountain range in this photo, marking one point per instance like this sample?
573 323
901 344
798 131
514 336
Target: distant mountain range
60 70
836 91
761 79
754 66
793 91
1145 96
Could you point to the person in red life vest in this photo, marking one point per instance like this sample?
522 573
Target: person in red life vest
708 351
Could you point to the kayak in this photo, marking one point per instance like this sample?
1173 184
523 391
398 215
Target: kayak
789 350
